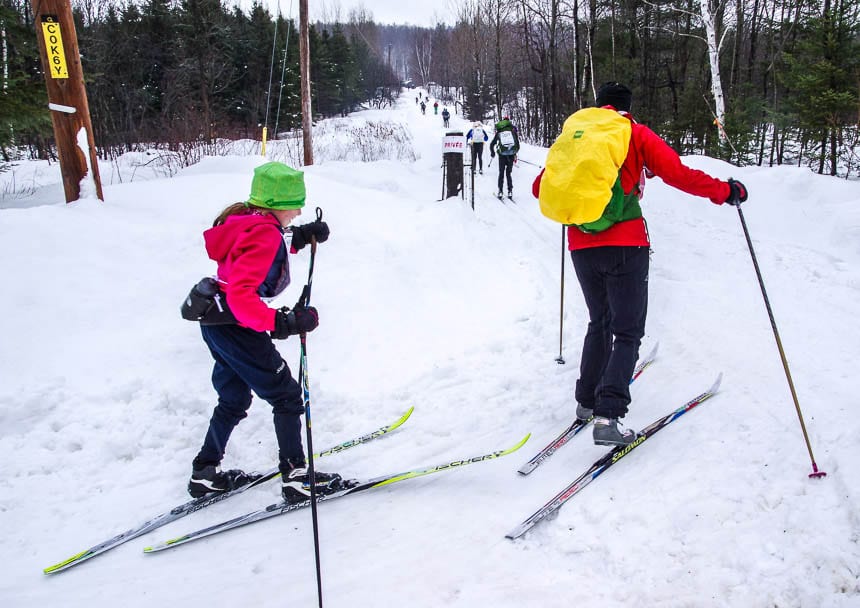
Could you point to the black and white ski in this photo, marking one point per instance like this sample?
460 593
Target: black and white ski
577 425
354 487
210 499
610 458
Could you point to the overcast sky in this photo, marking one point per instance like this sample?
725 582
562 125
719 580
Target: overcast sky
422 12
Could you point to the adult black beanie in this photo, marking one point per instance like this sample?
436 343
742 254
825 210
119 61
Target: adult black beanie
614 94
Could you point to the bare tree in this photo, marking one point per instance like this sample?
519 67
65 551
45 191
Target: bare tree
424 55
498 14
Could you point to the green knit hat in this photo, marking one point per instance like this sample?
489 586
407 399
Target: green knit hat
277 186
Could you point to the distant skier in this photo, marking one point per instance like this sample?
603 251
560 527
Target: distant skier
423 108
435 107
445 116
247 242
476 136
507 143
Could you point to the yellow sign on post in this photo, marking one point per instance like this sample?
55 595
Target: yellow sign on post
54 46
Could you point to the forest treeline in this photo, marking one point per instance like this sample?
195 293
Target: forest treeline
788 71
751 81
168 73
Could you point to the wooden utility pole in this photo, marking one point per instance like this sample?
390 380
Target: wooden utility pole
67 96
305 60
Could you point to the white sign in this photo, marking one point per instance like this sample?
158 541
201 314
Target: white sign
454 143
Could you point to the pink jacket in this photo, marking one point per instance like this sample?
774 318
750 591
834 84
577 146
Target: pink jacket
245 247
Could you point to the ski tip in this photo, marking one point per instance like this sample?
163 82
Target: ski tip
65 563
403 418
517 532
514 448
653 353
716 386
165 545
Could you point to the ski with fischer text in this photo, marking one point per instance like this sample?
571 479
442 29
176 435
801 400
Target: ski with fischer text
210 499
354 487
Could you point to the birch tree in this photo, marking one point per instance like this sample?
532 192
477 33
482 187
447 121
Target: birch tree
424 56
708 14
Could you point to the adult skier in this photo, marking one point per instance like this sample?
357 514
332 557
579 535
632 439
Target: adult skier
612 268
507 143
476 137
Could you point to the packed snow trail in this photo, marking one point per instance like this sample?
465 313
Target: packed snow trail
106 394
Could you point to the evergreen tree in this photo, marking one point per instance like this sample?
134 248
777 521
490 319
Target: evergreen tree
823 71
343 71
24 115
323 79
252 57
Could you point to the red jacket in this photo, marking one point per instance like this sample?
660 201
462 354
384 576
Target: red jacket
245 247
647 149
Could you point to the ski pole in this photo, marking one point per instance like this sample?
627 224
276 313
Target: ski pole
815 471
306 397
560 359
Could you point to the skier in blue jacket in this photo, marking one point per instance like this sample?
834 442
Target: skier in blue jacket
477 136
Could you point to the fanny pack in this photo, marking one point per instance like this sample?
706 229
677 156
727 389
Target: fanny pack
207 304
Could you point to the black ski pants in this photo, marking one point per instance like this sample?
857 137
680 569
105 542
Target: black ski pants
614 282
247 360
478 153
506 165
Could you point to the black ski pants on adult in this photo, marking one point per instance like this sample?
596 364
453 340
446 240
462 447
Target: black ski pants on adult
478 153
506 165
614 282
247 360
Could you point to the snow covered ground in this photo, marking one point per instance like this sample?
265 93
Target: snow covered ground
105 397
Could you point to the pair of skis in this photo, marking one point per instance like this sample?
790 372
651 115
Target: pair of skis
354 487
191 506
578 425
210 499
607 460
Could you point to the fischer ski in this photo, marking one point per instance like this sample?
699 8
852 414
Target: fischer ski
606 461
577 425
210 499
354 487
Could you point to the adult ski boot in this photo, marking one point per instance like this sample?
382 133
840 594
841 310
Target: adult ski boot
608 431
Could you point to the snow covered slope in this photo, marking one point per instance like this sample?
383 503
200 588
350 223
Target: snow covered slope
105 397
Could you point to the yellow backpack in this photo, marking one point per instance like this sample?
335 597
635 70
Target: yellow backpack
581 183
